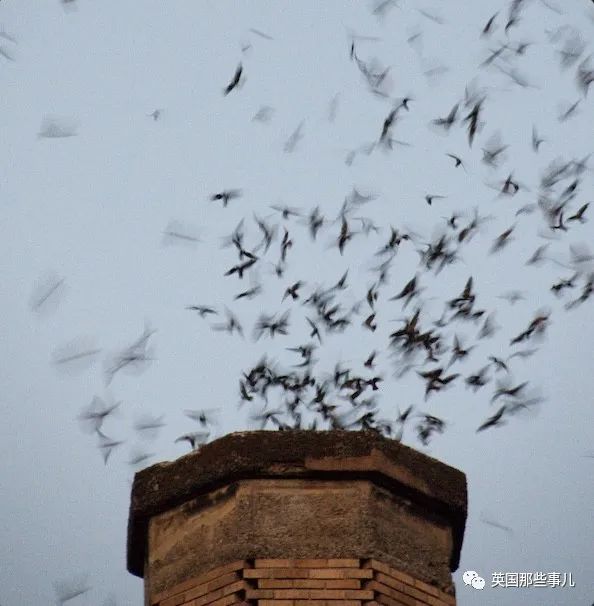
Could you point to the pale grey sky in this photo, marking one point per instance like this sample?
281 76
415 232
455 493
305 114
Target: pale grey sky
91 208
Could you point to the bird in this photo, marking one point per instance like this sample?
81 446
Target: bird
368 323
177 231
570 111
53 127
499 363
512 296
287 211
250 293
538 255
369 363
292 291
536 141
264 114
502 240
505 390
203 310
315 222
457 160
196 439
234 81
430 197
107 445
204 416
409 291
148 425
478 379
473 119
226 195
344 236
261 34
449 120
232 325
315 331
295 137
69 589
240 268
489 25
579 215
496 419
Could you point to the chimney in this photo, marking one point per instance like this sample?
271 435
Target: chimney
298 518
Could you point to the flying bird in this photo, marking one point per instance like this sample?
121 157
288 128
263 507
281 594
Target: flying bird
430 197
226 195
203 310
457 160
234 81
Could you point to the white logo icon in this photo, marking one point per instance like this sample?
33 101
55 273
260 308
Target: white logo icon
471 577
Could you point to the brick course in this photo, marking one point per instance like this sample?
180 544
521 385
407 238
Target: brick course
305 582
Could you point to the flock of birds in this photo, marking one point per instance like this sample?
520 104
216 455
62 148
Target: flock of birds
347 397
307 398
436 348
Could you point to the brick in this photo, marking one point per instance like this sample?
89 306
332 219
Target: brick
307 573
429 591
276 573
340 573
415 593
327 603
309 594
226 601
259 594
273 563
381 567
279 583
385 579
200 590
308 563
395 593
220 594
434 591
309 584
276 603
341 594
405 601
292 594
342 584
427 588
176 600
200 580
431 601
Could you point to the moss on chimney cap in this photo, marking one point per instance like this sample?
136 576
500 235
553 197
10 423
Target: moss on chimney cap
334 454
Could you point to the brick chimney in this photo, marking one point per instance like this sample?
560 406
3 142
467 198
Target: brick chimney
298 518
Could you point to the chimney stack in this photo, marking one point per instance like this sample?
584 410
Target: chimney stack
298 518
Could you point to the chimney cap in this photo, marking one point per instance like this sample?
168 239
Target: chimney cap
295 453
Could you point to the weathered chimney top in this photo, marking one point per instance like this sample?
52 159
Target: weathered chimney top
426 483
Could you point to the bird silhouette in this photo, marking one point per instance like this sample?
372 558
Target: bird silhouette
579 215
430 197
226 195
195 439
234 83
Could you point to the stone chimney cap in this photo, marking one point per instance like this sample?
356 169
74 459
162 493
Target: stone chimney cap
318 455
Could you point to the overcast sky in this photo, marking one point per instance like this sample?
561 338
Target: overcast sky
86 214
